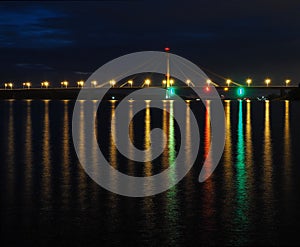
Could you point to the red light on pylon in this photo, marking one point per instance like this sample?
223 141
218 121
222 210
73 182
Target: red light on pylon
207 89
167 49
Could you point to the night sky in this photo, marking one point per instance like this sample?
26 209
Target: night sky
58 41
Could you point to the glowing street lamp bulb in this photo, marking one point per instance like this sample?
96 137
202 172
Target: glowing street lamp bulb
130 82
268 81
94 83
171 82
188 82
228 81
45 84
64 83
164 82
112 83
27 84
249 81
287 82
208 81
147 82
80 83
10 85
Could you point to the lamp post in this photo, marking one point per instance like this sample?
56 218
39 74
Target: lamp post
228 81
27 84
45 84
147 82
249 81
287 82
268 81
188 82
80 83
94 83
112 83
130 82
64 84
208 81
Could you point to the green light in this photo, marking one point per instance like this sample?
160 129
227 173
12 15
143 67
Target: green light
171 91
240 91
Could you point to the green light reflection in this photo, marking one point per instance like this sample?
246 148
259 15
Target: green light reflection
241 218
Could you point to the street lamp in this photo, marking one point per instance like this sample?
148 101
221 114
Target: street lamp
147 82
80 83
208 81
249 81
130 82
171 82
112 83
188 82
228 81
268 81
64 84
94 83
164 82
287 82
45 84
27 84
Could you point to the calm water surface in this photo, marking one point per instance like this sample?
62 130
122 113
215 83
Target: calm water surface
252 197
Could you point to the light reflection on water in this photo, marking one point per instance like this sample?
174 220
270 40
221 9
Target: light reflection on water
238 204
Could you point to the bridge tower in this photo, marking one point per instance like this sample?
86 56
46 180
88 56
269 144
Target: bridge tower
167 50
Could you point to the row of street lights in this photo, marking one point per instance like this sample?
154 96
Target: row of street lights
147 82
267 82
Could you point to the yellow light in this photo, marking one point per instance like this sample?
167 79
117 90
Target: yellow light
268 81
208 81
147 82
164 82
27 84
80 83
287 81
249 81
130 82
112 83
228 81
188 82
64 83
94 83
171 82
226 89
45 84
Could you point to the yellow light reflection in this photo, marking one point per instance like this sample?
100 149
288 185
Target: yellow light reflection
11 152
228 162
267 158
46 157
82 178
66 156
147 143
130 139
28 152
287 150
208 186
249 148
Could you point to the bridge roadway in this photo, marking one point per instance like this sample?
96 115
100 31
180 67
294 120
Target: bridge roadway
184 92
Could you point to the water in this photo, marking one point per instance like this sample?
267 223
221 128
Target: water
251 198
